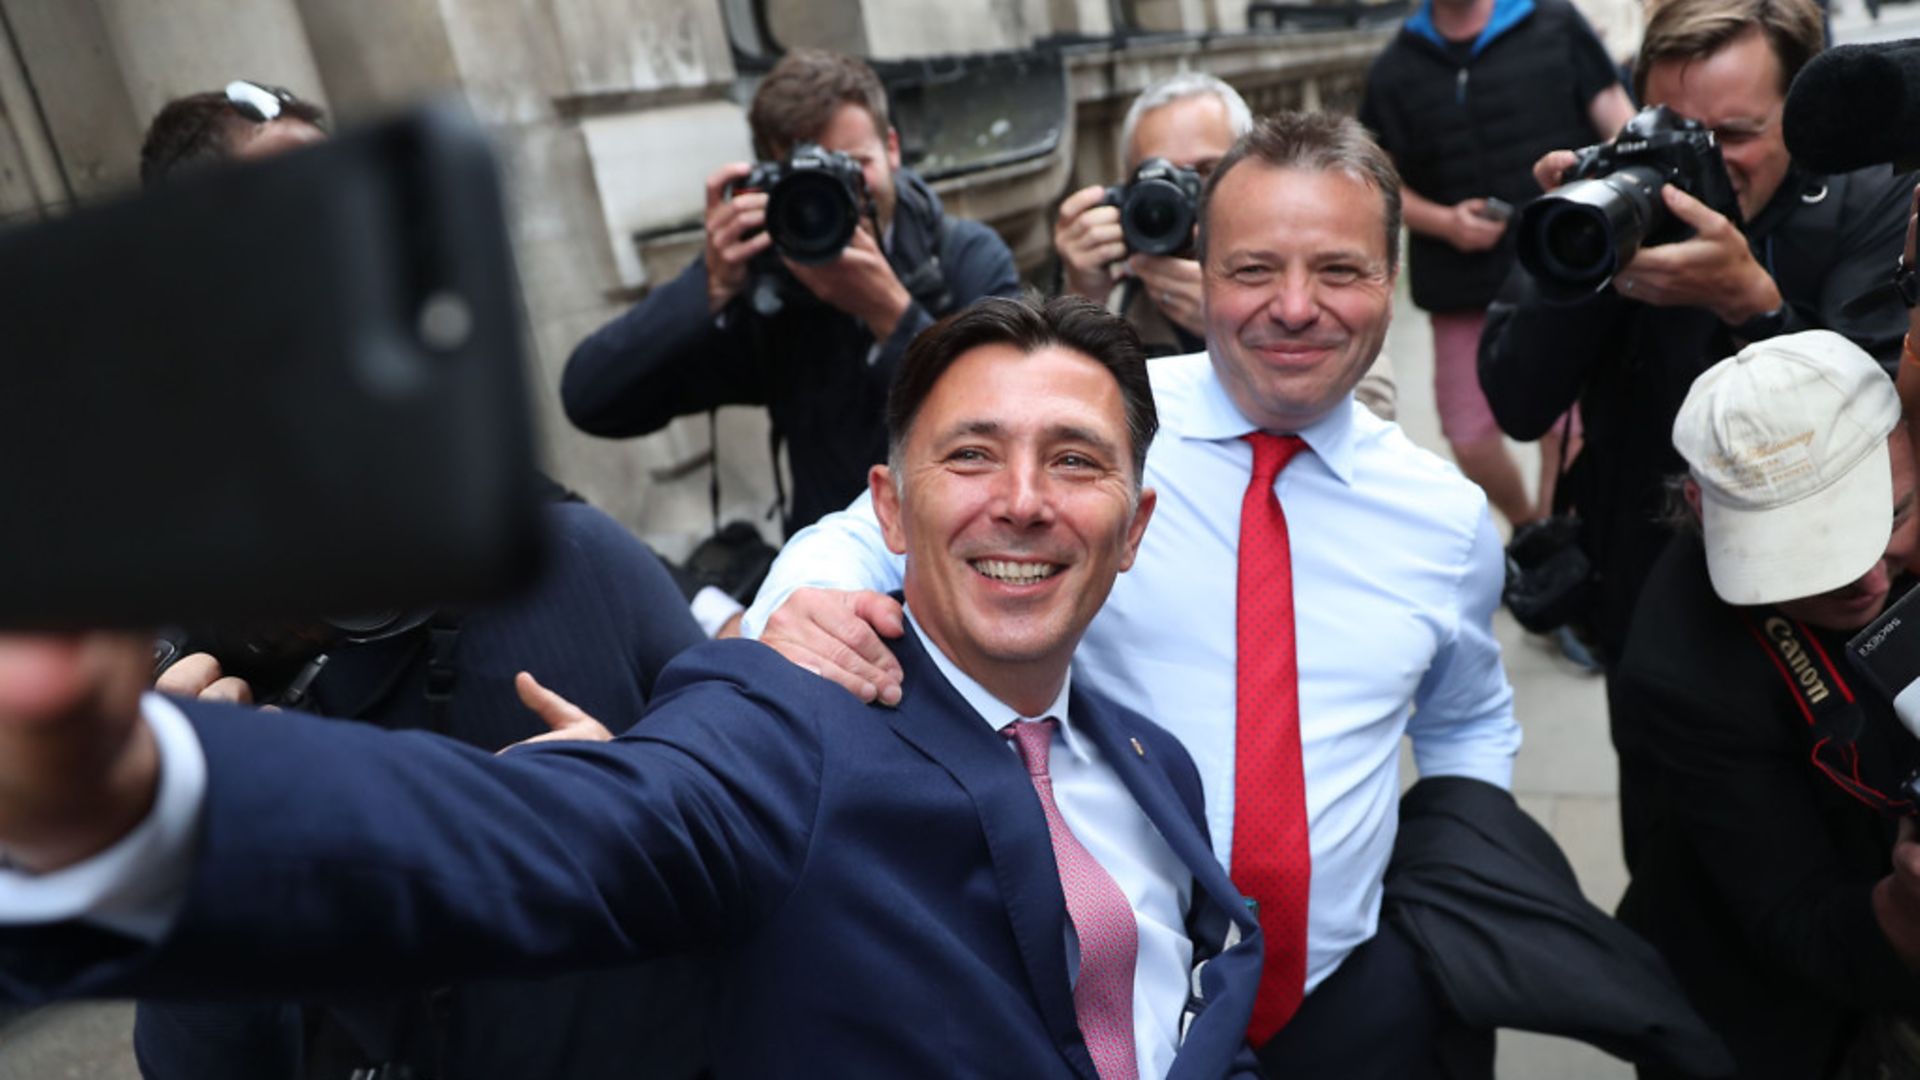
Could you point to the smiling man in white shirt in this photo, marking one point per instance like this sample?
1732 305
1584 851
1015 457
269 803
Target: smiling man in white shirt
1362 609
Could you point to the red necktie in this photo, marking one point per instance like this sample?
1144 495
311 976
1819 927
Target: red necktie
1271 862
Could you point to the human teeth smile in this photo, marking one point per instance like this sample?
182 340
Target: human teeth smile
1015 573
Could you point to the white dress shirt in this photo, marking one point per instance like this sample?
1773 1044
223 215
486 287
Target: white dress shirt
136 886
1104 817
1396 574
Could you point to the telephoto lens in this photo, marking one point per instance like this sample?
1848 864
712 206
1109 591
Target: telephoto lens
1575 238
1580 235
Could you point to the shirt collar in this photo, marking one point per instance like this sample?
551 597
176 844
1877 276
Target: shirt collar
998 714
1215 418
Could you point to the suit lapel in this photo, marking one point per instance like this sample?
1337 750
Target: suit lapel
934 718
1151 788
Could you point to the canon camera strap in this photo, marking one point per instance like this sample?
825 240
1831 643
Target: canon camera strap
1826 702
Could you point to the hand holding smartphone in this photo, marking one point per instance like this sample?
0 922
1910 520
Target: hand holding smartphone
1495 209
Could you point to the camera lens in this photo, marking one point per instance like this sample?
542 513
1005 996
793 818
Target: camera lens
1574 238
1579 241
811 215
1157 219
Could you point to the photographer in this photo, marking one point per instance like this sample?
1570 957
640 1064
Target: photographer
1466 97
1803 247
1773 774
1188 121
601 619
821 364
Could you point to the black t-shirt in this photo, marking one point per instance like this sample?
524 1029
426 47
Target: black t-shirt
1463 124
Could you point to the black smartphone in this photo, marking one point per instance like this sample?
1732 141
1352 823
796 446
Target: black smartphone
1495 209
269 389
1887 652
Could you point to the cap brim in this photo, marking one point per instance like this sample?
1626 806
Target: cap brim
1814 545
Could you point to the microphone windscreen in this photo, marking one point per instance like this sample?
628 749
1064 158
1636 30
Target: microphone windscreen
1855 106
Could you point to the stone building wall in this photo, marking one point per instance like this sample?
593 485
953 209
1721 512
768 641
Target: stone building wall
608 114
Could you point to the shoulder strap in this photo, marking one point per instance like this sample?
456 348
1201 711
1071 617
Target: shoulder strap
1826 702
443 639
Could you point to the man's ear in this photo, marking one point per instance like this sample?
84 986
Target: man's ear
1137 528
886 507
893 147
1690 490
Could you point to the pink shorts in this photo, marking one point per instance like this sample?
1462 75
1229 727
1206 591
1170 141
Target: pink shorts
1465 417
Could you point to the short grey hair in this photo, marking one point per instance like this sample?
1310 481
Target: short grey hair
1313 142
1186 84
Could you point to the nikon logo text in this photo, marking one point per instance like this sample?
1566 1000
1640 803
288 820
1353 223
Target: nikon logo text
1797 660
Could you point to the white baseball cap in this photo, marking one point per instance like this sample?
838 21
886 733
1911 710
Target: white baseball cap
1788 442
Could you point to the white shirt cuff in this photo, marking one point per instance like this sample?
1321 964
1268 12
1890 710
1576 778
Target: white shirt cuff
135 887
712 608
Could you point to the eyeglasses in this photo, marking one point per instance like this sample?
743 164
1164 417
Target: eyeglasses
257 102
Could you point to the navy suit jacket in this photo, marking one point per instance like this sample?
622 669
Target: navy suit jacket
877 885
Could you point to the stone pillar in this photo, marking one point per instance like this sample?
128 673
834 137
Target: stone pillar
164 51
69 70
1172 16
31 182
1091 17
541 74
374 55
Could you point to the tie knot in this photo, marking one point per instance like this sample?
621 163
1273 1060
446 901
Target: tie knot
1033 738
1272 452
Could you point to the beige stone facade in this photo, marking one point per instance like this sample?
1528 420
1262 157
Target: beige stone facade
608 114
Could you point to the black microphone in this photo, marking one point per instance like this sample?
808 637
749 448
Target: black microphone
1855 106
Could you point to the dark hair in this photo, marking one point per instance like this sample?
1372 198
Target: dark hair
1028 324
798 98
1696 29
199 129
1314 142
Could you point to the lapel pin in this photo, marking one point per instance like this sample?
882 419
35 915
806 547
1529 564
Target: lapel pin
1137 748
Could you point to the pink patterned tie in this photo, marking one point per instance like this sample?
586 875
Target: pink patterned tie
1102 919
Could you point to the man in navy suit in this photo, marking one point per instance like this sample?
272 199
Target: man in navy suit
1004 876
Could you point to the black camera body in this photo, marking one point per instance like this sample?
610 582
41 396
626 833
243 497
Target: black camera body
279 661
1158 208
1550 580
1576 237
815 199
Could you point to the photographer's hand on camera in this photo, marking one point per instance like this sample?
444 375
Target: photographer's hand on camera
1552 166
198 675
1714 269
1088 238
1174 284
861 282
735 233
78 766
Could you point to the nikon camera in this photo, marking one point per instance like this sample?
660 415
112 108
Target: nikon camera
1158 208
1576 237
815 199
